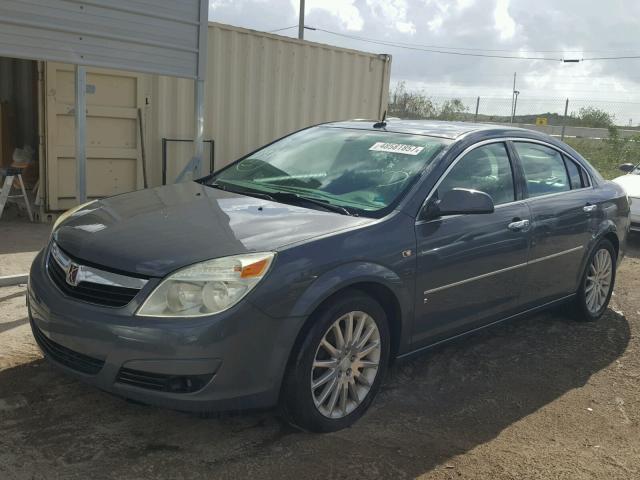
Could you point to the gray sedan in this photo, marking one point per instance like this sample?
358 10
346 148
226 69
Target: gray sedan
294 276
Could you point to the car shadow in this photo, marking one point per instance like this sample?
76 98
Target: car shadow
431 408
22 236
633 245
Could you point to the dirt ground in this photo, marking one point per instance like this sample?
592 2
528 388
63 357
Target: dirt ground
19 244
542 397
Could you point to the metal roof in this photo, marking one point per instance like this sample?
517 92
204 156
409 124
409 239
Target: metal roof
155 36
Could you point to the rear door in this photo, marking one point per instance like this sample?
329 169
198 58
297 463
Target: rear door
560 199
470 267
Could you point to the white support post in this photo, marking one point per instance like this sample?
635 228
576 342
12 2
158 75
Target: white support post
81 134
199 128
199 90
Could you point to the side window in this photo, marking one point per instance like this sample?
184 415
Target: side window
544 169
586 181
487 169
577 175
574 174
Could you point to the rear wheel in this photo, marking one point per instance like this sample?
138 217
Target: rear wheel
338 367
597 283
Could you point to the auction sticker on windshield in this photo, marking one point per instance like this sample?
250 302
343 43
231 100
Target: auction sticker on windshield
396 148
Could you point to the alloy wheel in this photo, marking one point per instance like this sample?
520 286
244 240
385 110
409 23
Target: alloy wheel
598 281
345 364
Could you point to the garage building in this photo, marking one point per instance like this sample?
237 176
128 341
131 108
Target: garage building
259 87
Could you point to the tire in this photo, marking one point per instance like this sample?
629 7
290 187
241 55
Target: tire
583 308
352 374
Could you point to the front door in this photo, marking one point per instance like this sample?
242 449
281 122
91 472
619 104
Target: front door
471 267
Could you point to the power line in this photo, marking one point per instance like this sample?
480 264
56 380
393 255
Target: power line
628 57
445 47
433 50
429 49
281 29
469 49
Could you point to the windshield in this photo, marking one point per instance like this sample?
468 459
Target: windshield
359 170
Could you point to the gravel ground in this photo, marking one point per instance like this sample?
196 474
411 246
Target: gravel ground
542 397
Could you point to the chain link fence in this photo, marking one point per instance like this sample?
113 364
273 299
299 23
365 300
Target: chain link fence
517 109
606 133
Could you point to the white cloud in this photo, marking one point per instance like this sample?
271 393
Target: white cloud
393 13
514 27
462 4
344 10
437 15
435 23
215 4
503 22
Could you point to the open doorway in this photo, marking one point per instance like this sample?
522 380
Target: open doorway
19 130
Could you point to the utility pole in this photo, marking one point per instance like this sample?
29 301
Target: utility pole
564 119
475 118
513 96
301 21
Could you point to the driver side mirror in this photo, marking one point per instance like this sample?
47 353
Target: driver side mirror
627 167
459 201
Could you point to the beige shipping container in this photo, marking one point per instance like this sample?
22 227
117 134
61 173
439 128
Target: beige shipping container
259 87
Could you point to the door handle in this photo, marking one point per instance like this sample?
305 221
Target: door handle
519 226
589 208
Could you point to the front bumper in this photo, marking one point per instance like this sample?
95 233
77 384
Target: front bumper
238 356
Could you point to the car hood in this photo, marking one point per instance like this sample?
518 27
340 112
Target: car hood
630 183
155 231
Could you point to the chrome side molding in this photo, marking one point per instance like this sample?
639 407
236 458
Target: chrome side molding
502 270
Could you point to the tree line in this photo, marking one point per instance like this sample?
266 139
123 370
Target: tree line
414 105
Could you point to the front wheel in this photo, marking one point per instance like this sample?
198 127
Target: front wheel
597 283
338 367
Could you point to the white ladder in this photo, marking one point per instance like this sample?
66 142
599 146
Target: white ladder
6 191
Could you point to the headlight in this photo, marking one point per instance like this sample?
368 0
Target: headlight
208 287
68 214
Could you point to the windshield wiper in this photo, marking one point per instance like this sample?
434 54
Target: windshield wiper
315 201
241 190
285 197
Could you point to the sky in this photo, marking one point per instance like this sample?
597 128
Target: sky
555 29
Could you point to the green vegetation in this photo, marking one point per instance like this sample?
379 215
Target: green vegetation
414 105
607 154
417 106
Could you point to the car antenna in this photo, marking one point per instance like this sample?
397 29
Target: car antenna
381 123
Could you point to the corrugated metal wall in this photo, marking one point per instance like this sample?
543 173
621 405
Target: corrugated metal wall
260 87
158 36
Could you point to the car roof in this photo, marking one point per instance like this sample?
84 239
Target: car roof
432 128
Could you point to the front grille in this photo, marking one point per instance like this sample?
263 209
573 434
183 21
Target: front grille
97 293
163 382
65 356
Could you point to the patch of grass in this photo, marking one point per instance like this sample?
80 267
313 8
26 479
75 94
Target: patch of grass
599 153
